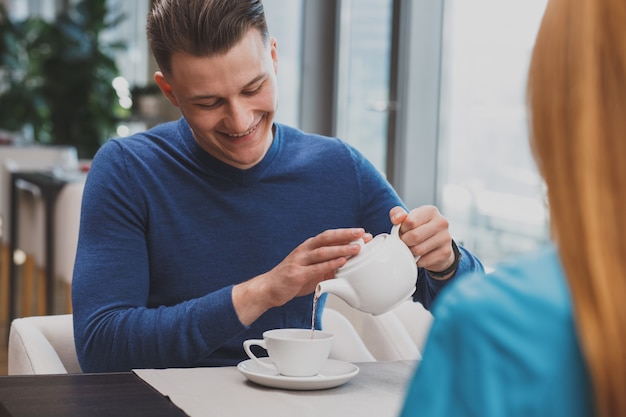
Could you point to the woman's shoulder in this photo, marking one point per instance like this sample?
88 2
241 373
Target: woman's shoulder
512 294
532 274
504 340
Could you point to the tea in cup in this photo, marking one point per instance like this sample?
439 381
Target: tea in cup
293 352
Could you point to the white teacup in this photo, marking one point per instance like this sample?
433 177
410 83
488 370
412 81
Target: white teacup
293 352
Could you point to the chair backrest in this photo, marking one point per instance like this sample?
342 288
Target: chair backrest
396 335
417 321
42 345
67 223
348 345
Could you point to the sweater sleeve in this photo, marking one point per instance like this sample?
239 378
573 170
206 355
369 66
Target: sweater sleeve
427 288
115 327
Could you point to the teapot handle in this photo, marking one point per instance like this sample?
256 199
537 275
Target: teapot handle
359 242
395 232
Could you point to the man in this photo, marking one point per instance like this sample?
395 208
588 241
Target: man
204 232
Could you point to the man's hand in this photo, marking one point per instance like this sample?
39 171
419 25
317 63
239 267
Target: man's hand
315 260
425 232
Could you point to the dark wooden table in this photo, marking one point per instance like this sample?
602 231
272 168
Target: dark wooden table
89 395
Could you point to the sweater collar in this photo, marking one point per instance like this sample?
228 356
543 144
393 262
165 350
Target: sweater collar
211 163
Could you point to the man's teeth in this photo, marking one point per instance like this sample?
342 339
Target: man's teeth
238 135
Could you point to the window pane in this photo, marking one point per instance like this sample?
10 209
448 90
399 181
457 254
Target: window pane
284 20
364 76
488 183
22 9
132 61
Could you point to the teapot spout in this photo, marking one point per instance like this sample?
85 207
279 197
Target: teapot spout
341 289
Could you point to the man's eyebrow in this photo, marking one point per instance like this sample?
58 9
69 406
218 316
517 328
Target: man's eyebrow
209 96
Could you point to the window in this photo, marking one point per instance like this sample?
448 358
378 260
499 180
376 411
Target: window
459 134
488 184
363 77
21 9
284 18
132 62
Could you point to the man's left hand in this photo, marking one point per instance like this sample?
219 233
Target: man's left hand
425 231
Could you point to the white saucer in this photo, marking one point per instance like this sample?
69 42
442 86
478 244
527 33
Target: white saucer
332 374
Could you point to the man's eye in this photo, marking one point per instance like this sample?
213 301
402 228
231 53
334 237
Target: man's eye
253 92
208 105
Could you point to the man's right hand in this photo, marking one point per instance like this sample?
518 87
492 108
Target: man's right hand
315 260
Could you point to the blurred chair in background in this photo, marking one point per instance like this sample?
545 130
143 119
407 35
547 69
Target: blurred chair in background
30 253
31 225
66 224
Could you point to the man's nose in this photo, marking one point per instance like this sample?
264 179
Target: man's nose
238 116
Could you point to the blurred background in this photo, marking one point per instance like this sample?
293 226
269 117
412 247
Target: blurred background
432 91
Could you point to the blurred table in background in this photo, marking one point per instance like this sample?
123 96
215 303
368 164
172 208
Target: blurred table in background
49 187
40 173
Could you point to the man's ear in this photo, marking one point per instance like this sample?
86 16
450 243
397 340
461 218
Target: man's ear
165 87
274 53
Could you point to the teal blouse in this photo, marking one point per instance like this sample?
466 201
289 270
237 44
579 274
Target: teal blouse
503 344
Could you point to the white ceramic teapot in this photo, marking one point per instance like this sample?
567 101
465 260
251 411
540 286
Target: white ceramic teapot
380 277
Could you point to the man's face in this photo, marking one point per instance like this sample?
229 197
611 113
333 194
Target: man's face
228 100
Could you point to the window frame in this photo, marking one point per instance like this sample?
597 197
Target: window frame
415 161
414 89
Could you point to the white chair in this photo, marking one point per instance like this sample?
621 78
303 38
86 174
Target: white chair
348 345
66 224
396 335
416 320
45 344
42 345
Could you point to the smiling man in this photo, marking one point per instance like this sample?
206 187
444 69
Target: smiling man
206 231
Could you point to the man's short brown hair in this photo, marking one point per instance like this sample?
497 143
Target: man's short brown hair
201 27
